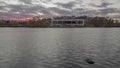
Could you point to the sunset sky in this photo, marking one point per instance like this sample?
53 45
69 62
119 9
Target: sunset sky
49 8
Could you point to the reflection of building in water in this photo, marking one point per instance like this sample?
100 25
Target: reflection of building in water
67 22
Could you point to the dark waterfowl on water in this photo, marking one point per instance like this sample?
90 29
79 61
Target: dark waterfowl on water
90 61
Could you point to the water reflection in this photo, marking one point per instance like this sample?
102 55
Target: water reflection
68 51
25 50
59 48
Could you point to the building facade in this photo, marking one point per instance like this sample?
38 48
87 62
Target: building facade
67 22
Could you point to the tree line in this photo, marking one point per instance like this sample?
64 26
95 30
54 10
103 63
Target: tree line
28 23
46 22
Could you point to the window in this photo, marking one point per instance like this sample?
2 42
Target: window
67 22
54 22
59 22
80 22
73 22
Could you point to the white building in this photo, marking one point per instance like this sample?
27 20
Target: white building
68 22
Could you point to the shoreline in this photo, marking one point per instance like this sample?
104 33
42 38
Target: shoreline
57 27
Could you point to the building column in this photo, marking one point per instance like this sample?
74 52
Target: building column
51 23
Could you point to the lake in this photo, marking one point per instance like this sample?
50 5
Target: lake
59 47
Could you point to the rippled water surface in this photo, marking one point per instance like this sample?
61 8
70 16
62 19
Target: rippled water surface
59 47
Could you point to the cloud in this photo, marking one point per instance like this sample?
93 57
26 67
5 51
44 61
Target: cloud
68 5
26 1
115 15
104 4
108 10
51 8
